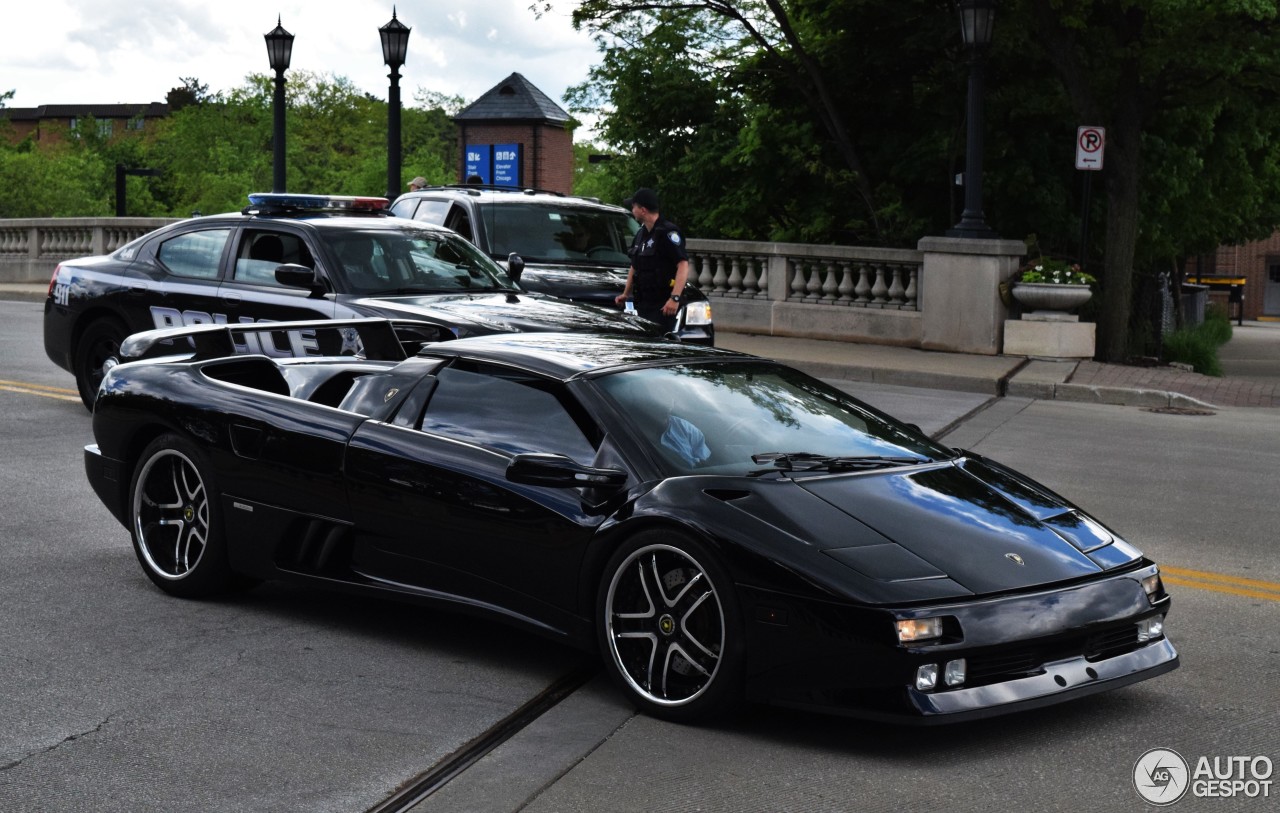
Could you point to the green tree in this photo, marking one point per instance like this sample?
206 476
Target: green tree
1186 90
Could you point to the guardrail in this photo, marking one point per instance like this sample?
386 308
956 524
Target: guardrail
31 248
798 289
943 295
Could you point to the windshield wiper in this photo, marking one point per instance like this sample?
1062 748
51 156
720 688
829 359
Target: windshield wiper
808 461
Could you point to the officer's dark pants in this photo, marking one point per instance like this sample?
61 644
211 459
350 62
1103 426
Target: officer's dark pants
653 312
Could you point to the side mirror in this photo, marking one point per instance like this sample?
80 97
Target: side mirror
558 471
299 276
515 266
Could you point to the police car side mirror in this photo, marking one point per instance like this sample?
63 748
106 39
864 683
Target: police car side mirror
515 266
299 276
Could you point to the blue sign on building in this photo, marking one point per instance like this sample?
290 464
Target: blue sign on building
506 164
480 162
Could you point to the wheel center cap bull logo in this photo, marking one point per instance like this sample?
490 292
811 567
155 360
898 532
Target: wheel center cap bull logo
667 624
188 513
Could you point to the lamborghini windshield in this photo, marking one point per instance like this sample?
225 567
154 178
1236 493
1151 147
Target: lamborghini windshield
751 418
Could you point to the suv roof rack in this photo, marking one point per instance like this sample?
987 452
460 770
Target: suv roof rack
477 188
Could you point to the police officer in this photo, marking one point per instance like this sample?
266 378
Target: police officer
659 262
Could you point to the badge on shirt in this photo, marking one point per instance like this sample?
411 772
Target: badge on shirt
675 237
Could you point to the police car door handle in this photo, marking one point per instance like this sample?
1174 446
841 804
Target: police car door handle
137 288
231 298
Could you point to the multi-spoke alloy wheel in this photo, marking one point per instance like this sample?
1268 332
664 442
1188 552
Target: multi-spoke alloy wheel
174 520
669 627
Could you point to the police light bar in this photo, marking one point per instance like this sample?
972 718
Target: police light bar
316 203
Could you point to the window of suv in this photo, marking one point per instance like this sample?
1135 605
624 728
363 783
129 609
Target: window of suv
559 232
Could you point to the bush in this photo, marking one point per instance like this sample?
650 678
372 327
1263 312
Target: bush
1198 346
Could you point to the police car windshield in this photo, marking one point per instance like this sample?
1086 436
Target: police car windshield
412 260
560 233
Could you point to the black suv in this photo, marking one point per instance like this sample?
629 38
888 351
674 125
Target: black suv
570 247
296 257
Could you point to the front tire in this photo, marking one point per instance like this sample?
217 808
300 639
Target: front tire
99 342
176 522
670 627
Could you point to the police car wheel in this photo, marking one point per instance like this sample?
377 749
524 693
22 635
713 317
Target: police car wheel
99 342
670 628
176 520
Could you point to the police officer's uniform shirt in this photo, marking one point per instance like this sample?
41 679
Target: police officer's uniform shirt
654 255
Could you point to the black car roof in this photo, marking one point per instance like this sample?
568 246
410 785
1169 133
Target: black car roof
567 355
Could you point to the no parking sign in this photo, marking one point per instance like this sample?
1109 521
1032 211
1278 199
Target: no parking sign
1089 144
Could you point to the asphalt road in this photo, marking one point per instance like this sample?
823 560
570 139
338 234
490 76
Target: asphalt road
116 697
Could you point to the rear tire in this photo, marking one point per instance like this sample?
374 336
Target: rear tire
176 522
99 342
670 627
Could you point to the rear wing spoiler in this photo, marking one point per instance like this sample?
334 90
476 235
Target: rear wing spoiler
372 339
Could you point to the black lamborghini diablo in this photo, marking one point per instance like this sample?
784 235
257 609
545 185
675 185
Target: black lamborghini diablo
718 526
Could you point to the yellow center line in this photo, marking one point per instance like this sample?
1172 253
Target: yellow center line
24 388
1219 583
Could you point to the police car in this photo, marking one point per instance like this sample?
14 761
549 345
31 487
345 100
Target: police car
571 247
289 257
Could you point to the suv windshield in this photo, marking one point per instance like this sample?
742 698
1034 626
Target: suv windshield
557 233
411 260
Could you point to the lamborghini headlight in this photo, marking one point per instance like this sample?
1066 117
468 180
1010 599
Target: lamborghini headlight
1152 587
911 630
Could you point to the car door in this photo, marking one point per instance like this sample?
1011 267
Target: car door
177 284
433 505
250 292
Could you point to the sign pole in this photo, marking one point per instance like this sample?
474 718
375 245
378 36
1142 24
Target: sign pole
1084 222
1090 142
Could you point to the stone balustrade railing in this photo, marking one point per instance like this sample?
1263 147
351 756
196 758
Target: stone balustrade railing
31 248
829 275
942 295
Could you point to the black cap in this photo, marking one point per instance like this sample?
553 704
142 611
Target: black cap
643 197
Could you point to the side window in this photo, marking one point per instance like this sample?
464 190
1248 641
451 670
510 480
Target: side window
432 211
262 251
458 221
506 410
195 253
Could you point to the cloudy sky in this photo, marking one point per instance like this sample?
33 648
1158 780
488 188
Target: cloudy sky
133 51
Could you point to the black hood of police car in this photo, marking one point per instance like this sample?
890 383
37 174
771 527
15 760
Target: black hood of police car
483 313
580 282
952 529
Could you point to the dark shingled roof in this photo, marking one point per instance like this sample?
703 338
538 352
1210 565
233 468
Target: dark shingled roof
99 111
514 99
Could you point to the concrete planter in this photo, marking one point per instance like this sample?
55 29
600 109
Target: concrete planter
1043 296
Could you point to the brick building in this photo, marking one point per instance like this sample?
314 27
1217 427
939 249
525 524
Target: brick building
1258 264
52 123
516 114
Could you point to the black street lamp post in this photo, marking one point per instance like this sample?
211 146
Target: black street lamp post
976 20
279 50
395 44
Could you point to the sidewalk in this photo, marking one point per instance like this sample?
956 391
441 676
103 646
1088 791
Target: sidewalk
1251 361
1254 350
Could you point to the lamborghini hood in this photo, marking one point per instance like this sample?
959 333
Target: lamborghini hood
974 523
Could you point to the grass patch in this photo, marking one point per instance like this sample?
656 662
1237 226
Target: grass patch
1198 346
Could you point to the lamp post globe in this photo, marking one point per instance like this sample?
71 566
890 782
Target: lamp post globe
977 18
279 51
395 46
